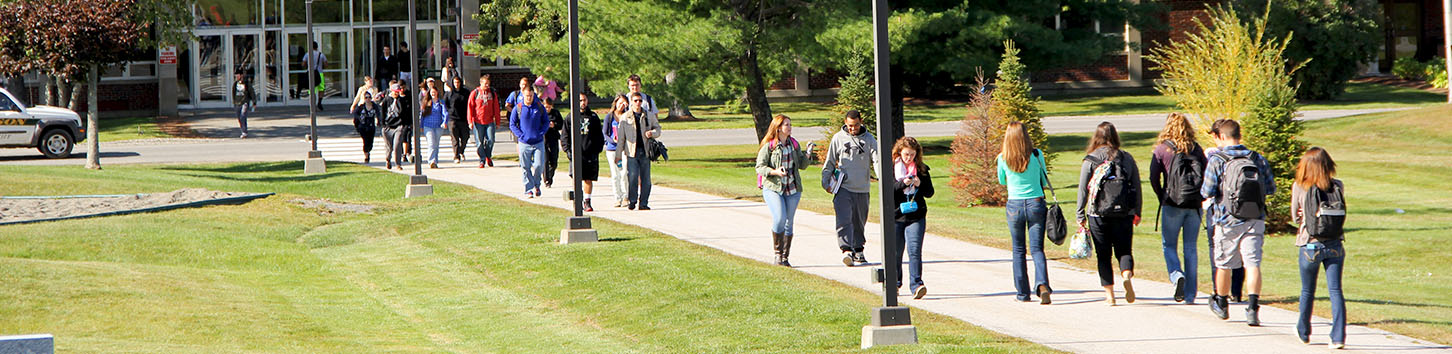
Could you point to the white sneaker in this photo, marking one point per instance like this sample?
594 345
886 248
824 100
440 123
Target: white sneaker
1336 345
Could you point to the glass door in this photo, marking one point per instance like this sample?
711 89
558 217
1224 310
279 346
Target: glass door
271 88
335 78
245 56
211 74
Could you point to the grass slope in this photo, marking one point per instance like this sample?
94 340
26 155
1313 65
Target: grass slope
461 271
1396 277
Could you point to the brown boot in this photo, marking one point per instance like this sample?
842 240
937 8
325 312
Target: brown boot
786 250
776 241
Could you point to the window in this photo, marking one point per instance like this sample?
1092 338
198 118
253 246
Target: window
1074 20
7 105
227 12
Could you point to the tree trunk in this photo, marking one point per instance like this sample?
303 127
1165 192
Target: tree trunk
47 91
679 110
63 86
77 89
93 121
756 92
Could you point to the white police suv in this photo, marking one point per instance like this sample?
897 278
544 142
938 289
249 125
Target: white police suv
53 130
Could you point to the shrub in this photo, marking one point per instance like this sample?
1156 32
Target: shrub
1014 100
974 163
1435 72
1230 69
856 92
1333 37
1408 68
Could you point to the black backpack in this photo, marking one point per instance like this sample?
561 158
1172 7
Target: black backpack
1324 212
1241 192
1182 184
1116 192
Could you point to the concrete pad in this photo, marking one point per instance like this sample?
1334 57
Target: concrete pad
314 166
578 236
418 190
28 344
875 336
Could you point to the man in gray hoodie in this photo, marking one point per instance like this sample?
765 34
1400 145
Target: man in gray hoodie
853 155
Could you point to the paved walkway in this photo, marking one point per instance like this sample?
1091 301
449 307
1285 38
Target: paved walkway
965 280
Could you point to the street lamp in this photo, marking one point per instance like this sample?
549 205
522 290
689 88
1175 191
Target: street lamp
418 184
578 227
314 163
890 324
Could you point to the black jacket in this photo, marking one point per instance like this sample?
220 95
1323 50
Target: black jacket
458 103
594 139
387 69
925 191
557 125
403 117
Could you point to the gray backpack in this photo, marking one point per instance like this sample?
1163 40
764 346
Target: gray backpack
1241 192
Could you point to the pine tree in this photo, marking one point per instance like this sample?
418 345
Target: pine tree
1014 100
974 163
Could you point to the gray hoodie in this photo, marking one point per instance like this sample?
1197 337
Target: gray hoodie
856 156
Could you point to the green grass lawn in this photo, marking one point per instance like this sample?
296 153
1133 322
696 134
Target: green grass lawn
130 128
1357 96
1397 276
460 271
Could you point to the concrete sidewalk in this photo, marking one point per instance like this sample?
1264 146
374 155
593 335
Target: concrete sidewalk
966 281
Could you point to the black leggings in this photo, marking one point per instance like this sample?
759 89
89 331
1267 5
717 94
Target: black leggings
459 133
1113 237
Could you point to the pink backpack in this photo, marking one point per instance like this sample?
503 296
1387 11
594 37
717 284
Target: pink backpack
759 178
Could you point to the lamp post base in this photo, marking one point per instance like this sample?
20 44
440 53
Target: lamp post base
578 230
314 163
889 326
418 186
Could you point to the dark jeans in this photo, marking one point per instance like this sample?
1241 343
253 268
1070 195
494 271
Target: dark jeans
367 132
1026 219
242 117
1332 256
459 137
910 235
552 160
851 210
637 177
1113 237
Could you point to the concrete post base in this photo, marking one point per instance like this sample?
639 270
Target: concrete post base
314 164
418 186
28 344
578 230
875 336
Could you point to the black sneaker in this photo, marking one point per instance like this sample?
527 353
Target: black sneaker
859 258
848 259
1180 290
1252 317
1218 309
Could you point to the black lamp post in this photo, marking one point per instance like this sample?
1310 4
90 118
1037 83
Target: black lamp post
418 184
578 227
314 162
890 324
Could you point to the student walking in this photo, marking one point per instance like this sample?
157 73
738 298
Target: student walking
448 73
404 64
315 61
244 99
547 89
647 103
778 165
617 163
633 138
365 122
433 117
397 108
1177 170
517 96
369 87
594 141
483 115
457 101
387 66
528 121
911 184
1238 179
552 142
851 157
1021 169
1237 274
1109 204
1318 205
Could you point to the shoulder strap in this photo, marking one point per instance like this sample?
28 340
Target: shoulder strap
1044 171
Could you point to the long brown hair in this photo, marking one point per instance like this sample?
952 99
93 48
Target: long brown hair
774 129
1105 136
1178 131
1017 147
1316 169
908 142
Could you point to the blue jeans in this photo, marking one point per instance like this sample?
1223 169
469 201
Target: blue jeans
531 159
910 235
1332 256
484 134
242 116
1026 221
1181 223
433 134
637 178
783 210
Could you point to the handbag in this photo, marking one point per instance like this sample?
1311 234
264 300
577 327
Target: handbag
1055 226
910 206
1079 246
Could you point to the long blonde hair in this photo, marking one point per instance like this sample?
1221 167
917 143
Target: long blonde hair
1017 147
774 129
1178 131
1316 169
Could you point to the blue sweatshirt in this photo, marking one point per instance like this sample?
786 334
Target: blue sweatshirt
435 116
529 123
1215 167
610 125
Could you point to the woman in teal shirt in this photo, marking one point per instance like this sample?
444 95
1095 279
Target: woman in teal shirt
1021 169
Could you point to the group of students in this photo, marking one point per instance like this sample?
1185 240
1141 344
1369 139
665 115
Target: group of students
1226 186
541 132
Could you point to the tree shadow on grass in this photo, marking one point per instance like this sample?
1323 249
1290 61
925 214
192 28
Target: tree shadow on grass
253 167
617 239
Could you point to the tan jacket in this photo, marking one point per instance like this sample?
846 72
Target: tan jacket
625 138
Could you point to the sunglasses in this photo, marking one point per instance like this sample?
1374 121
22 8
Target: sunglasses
634 100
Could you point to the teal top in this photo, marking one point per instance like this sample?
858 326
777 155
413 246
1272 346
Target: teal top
1023 185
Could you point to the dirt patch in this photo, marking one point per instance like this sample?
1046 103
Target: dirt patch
12 210
327 207
177 127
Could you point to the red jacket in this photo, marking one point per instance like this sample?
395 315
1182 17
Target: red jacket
483 111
